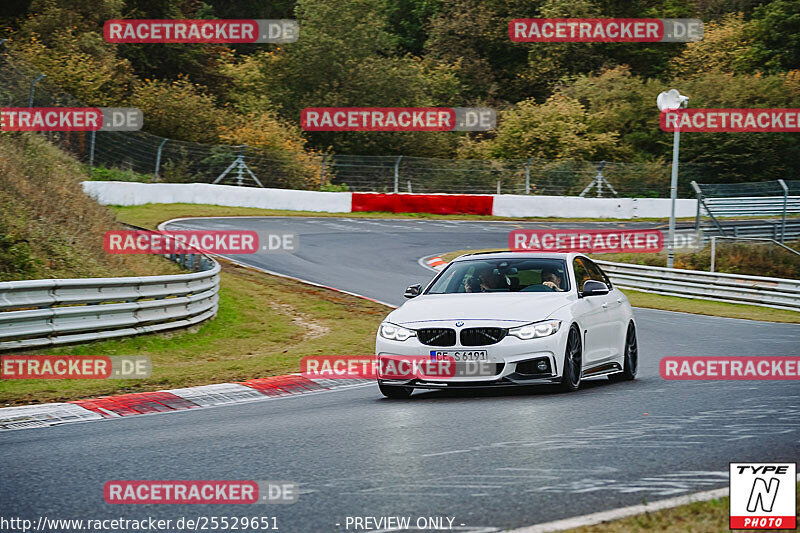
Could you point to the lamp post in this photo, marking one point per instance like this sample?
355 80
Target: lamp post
670 101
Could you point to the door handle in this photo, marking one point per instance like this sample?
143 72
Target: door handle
605 305
619 300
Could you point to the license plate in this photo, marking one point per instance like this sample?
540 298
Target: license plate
460 355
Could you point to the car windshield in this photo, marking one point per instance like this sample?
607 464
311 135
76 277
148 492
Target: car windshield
503 275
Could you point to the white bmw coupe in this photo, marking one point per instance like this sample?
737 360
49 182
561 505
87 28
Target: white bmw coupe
512 318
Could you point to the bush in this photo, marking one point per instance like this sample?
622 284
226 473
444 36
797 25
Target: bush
116 174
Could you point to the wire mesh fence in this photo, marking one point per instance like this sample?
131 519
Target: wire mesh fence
140 156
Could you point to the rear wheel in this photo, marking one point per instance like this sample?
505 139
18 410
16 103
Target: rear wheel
395 392
631 363
573 361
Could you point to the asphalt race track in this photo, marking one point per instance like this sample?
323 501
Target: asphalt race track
491 460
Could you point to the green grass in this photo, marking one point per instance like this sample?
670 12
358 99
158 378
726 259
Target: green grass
150 215
699 517
711 308
264 327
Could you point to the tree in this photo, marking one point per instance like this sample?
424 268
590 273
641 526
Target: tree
557 129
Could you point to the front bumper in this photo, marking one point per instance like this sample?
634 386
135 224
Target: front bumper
513 358
511 380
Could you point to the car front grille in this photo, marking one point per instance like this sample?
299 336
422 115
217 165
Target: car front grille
437 336
482 336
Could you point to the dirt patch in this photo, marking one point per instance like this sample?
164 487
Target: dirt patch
312 329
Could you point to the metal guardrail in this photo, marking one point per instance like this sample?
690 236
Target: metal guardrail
732 288
767 198
771 230
51 312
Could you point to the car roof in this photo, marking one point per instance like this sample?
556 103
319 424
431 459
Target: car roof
516 255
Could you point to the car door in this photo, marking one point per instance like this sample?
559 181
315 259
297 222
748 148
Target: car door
591 317
613 319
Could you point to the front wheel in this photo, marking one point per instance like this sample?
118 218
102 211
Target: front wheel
573 361
631 364
395 392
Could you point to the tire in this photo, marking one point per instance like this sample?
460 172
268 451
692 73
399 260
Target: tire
395 392
573 361
631 363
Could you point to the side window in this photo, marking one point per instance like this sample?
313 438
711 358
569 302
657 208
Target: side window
581 273
596 273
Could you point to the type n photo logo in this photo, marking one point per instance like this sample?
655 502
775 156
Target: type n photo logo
763 495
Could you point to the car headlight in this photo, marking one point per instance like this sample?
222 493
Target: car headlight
393 332
535 330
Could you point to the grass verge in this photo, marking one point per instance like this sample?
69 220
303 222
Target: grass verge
689 305
698 517
264 327
150 215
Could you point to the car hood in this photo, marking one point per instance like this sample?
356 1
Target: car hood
513 307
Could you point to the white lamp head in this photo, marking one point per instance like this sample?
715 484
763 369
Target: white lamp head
671 99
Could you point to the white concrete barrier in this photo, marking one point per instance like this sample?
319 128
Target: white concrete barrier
127 193
513 205
504 205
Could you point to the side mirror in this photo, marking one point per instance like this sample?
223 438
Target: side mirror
414 290
594 288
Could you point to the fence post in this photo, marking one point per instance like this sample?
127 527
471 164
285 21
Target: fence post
158 159
397 176
409 185
528 176
33 88
785 200
697 193
240 175
713 251
498 187
322 174
91 153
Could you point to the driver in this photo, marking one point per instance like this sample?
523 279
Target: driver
551 279
485 280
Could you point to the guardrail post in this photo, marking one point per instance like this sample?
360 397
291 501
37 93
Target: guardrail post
785 200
